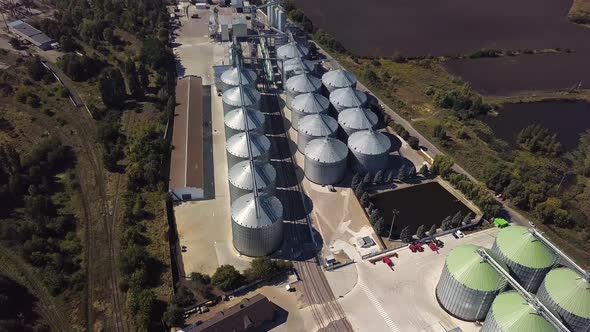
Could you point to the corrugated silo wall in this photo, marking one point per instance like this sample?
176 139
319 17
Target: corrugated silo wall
529 278
257 242
229 132
574 322
363 163
303 139
490 324
323 173
235 192
460 301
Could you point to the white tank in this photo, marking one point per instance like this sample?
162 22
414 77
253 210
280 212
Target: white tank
307 104
356 119
269 14
297 66
370 150
240 179
304 83
282 20
315 126
232 98
237 148
345 98
231 78
292 50
235 122
325 160
339 78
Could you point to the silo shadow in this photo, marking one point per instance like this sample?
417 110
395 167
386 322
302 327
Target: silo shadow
296 205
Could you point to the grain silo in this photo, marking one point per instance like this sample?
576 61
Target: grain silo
235 121
345 98
303 83
468 285
297 66
315 126
307 104
231 78
232 98
257 224
241 182
567 293
282 20
325 160
370 151
356 119
527 258
269 14
510 312
237 148
292 50
338 78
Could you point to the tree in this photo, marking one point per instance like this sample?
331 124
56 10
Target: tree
467 218
112 88
200 278
356 179
184 297
439 132
365 199
35 69
367 179
67 43
261 268
226 278
173 315
446 223
456 220
378 225
432 230
420 231
378 179
405 234
402 173
360 190
108 35
442 165
411 172
144 77
414 142
390 176
133 79
424 170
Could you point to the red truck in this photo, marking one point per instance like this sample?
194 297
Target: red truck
433 246
388 261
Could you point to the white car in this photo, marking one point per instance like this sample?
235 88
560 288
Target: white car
459 234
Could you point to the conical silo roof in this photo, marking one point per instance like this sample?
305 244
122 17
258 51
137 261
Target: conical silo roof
235 119
523 248
231 76
569 290
357 118
303 83
243 211
326 150
318 125
512 313
292 50
339 78
348 97
240 175
469 268
369 142
237 145
298 65
232 96
310 103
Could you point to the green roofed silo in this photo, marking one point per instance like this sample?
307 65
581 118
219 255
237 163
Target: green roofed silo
468 285
510 312
567 293
527 258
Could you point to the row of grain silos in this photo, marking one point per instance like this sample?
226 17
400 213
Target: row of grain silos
256 214
468 287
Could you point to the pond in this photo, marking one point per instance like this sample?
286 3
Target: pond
424 204
567 119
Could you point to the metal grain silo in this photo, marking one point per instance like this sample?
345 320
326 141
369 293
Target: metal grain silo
237 148
566 293
370 150
468 285
345 98
528 259
235 121
297 66
303 83
307 104
325 160
231 78
356 119
338 78
269 14
240 179
232 98
257 234
292 50
282 20
315 126
276 16
510 312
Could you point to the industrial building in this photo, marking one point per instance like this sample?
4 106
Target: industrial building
186 180
25 31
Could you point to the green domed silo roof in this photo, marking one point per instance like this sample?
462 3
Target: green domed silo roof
469 268
569 290
512 313
522 247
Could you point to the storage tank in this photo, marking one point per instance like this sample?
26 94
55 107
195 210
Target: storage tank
235 121
237 148
315 126
510 312
232 99
297 66
338 78
356 119
345 98
528 259
303 83
257 235
276 16
269 14
566 293
370 151
292 50
468 285
325 160
240 179
307 104
282 20
231 78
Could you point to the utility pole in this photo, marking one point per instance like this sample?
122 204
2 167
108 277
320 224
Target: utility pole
395 212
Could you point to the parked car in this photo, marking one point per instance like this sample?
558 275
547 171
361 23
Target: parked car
459 233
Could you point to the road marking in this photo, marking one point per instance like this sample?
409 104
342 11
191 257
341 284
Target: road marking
378 306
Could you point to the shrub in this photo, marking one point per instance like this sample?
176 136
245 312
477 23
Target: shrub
414 142
226 278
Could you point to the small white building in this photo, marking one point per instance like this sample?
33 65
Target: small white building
25 31
239 27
